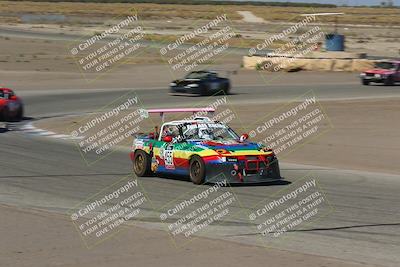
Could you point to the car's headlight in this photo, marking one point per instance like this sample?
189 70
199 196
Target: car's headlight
377 75
363 74
172 84
193 85
270 159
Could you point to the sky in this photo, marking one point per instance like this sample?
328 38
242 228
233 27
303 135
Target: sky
337 2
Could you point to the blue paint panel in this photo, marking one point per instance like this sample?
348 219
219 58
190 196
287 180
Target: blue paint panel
180 171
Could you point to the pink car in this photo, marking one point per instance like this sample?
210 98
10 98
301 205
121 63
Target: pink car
386 72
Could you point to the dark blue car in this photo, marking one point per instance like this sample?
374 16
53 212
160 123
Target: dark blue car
200 83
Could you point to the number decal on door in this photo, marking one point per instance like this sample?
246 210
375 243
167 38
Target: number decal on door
169 157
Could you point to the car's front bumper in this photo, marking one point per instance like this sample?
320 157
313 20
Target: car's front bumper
239 175
184 90
373 79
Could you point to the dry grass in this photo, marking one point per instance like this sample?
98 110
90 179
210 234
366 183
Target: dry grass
145 11
354 15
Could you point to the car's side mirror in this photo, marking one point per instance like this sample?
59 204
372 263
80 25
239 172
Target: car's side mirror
244 137
167 139
152 136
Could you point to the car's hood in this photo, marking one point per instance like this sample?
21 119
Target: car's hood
186 81
227 145
380 71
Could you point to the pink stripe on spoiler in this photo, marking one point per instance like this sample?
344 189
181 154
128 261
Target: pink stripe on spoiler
173 110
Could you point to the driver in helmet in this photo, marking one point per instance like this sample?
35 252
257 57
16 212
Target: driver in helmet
205 133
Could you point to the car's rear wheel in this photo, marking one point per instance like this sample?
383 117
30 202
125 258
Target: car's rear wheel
388 81
141 163
204 90
197 170
365 82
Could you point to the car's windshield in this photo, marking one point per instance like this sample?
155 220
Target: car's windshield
385 65
197 75
208 131
1 94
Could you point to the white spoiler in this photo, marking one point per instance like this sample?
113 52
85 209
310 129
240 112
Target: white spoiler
162 111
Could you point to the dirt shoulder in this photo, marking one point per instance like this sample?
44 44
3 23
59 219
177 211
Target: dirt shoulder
37 238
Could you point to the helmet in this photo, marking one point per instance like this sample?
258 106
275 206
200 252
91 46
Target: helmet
205 134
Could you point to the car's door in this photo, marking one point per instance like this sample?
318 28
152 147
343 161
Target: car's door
167 135
214 82
13 103
168 156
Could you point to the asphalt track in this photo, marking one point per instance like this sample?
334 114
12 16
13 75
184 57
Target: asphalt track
47 174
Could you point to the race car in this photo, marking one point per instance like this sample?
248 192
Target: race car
11 106
386 72
204 150
200 83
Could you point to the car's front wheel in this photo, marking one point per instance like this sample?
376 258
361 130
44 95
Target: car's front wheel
227 88
141 163
20 114
276 172
365 82
1 115
197 170
5 115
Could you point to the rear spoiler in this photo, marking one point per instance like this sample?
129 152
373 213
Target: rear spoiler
228 73
162 111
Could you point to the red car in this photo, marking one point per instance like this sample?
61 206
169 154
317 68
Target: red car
386 72
11 106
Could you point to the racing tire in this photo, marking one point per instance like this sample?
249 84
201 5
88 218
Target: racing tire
388 81
226 89
365 82
20 114
197 170
276 170
4 115
204 90
141 163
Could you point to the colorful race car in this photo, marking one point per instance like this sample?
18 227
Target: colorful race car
11 106
200 83
386 72
204 150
